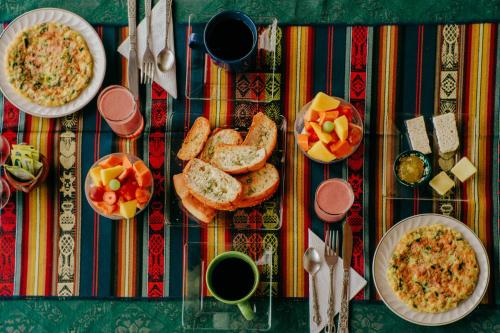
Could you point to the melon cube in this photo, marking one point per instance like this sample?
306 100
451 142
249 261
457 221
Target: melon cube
323 102
128 208
341 127
110 173
320 152
95 175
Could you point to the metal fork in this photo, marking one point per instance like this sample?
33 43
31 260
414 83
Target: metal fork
331 258
148 60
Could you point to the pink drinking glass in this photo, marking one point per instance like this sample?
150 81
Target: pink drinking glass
333 199
120 109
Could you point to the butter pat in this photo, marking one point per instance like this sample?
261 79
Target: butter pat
418 135
464 169
442 183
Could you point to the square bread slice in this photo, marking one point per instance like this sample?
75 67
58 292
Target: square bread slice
418 135
258 186
263 133
238 159
212 186
195 139
227 136
445 127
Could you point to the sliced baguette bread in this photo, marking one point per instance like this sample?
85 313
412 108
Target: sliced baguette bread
263 133
258 186
237 159
190 203
211 186
180 186
195 139
197 209
227 136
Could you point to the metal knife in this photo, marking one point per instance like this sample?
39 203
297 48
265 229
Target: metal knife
346 257
133 77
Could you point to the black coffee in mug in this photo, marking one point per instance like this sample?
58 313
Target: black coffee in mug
232 279
230 39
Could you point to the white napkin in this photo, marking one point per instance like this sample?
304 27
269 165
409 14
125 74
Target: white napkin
158 16
357 282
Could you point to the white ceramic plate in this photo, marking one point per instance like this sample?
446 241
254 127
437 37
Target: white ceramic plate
78 24
383 255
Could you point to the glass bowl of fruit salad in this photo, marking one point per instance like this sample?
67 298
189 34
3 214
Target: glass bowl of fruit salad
119 186
328 129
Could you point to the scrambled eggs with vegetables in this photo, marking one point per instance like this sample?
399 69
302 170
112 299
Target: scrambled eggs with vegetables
50 64
433 268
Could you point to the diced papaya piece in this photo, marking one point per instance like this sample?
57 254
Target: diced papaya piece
341 148
335 137
126 162
311 115
142 195
303 141
111 161
307 126
331 115
142 174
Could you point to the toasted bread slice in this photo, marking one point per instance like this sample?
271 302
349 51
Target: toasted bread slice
211 186
258 186
263 133
195 139
180 186
227 136
237 159
198 209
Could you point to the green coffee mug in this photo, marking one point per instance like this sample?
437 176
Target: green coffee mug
242 302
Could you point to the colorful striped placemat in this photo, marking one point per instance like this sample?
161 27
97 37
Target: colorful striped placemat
53 244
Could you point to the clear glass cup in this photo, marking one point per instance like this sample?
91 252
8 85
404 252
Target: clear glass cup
4 186
121 110
4 193
4 149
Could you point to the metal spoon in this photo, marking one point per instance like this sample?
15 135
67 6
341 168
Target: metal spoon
165 58
312 264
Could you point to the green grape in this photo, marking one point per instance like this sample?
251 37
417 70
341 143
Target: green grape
114 185
328 127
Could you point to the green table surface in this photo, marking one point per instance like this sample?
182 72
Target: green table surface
288 11
289 315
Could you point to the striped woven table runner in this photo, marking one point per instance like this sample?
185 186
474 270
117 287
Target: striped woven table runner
53 244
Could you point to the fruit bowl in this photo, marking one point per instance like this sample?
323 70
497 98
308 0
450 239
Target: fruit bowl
331 134
119 186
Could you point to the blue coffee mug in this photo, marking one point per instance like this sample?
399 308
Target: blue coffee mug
230 39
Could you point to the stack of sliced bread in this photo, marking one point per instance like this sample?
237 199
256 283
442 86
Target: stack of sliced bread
207 184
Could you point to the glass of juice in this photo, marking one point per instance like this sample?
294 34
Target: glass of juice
120 109
334 197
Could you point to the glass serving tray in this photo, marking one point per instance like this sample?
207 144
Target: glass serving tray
257 84
202 312
424 199
266 216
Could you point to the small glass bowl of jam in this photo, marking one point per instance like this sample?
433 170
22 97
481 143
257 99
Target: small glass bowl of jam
412 168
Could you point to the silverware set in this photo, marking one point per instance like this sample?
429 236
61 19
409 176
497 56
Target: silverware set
312 264
164 59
